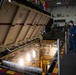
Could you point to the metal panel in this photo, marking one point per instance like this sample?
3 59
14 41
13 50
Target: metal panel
3 32
26 26
6 16
37 27
42 28
7 12
21 23
21 15
32 28
14 30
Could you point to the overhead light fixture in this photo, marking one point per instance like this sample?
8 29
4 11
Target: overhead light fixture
34 54
54 48
28 58
9 0
58 3
21 62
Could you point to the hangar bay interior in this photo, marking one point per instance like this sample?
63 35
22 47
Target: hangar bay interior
22 48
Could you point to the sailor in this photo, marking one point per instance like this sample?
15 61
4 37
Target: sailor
72 34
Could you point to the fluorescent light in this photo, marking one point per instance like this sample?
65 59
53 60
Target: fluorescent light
21 62
54 48
9 0
28 58
58 3
34 54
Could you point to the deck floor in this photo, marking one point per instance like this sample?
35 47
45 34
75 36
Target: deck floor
68 64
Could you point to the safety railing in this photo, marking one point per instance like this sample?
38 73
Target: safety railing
66 41
56 68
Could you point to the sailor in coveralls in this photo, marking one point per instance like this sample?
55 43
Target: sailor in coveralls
72 33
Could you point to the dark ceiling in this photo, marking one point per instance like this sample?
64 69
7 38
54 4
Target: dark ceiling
52 3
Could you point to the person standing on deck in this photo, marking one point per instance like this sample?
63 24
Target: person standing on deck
72 34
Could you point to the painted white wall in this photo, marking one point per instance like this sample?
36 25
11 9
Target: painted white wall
71 11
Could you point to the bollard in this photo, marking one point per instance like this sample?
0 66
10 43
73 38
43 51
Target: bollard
59 64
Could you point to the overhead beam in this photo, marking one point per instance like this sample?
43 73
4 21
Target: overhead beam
33 6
